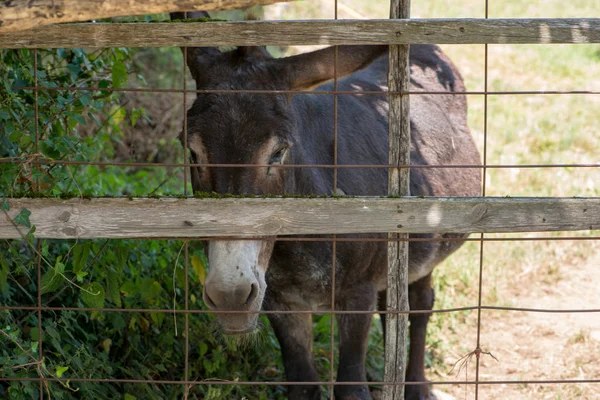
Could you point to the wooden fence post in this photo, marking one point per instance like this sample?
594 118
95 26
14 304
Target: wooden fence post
398 184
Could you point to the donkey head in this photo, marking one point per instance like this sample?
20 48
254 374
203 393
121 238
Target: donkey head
253 129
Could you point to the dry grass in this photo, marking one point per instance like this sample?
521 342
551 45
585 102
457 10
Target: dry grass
522 129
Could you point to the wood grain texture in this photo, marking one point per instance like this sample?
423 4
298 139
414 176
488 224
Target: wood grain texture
294 33
124 218
398 184
18 15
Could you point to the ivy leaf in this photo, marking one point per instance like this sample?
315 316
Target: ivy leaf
23 218
60 370
199 268
29 236
119 74
93 295
5 206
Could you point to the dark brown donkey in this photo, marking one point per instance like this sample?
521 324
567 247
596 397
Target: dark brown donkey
274 129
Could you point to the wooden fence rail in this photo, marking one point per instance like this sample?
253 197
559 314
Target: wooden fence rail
120 218
17 15
324 32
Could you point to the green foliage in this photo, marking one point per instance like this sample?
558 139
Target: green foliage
90 125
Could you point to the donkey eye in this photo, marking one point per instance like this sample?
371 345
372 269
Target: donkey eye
277 157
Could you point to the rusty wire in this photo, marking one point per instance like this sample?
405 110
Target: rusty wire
311 92
186 255
317 312
293 383
478 350
42 161
334 239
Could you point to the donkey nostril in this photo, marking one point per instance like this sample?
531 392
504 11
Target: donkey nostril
208 301
253 294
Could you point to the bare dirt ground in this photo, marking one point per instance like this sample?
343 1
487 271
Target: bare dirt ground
539 346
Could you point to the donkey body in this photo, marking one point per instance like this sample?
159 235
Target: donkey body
273 129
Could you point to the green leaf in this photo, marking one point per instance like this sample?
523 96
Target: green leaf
60 370
52 279
93 295
5 206
23 218
93 118
129 288
157 318
85 99
203 349
48 148
199 268
81 253
78 118
81 275
113 282
119 74
29 236
118 321
129 397
150 289
3 276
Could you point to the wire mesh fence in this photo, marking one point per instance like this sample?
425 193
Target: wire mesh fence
190 306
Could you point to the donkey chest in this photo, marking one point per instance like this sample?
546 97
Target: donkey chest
301 279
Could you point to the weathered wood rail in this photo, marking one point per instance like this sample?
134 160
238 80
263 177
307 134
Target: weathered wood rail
120 218
17 15
325 32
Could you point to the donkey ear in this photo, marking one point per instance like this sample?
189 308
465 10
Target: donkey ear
198 58
309 70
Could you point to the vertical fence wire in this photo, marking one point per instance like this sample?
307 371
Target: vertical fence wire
186 259
38 245
334 237
478 350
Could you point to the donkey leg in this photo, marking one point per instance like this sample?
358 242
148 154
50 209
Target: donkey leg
382 306
295 336
420 297
354 336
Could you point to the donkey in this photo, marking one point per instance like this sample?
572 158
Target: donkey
271 130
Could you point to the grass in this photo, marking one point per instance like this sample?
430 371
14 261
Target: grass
521 129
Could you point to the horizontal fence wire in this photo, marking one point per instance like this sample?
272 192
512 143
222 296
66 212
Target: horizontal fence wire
315 312
41 161
320 383
358 92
